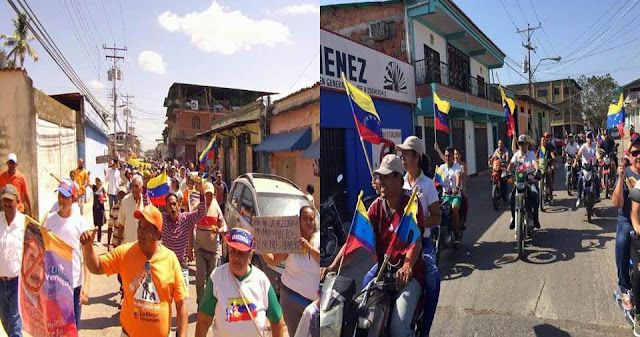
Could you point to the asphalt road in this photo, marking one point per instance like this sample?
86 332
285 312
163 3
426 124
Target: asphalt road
564 288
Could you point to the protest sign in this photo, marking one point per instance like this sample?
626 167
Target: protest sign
277 234
46 289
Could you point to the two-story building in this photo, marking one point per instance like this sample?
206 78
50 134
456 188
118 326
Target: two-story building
533 117
632 104
563 95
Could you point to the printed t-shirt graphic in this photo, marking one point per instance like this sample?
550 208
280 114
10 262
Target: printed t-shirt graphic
237 312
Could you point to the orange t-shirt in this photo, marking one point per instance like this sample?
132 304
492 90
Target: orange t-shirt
19 182
148 290
82 177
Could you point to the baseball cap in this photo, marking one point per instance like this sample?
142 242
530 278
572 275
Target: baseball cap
635 137
208 188
390 163
122 189
152 214
9 192
411 143
589 134
239 239
67 188
547 135
12 157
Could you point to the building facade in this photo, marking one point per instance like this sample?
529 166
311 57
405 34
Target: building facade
534 117
561 94
632 104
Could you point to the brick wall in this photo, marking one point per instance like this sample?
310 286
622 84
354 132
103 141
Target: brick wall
353 23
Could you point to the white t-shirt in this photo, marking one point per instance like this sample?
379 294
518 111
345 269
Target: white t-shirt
69 230
113 181
255 287
571 149
427 194
309 325
449 176
75 208
11 244
586 152
528 159
302 272
125 217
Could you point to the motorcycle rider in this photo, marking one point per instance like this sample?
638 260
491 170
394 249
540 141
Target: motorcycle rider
385 214
587 152
571 147
502 154
608 147
549 154
527 158
415 163
452 184
627 178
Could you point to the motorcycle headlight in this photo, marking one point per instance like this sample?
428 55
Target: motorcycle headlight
331 321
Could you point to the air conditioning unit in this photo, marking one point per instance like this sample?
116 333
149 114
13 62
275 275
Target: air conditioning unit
193 104
379 30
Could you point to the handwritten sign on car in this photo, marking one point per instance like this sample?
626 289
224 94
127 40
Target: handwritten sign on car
277 234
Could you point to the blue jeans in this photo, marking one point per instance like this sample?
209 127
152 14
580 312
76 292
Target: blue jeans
623 252
432 280
77 308
405 304
113 200
9 313
596 183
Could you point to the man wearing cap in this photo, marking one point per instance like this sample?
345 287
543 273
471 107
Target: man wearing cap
14 177
69 226
12 226
627 178
238 298
547 152
385 214
206 241
587 154
151 276
221 190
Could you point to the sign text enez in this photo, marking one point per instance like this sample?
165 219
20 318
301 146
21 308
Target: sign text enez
277 234
376 73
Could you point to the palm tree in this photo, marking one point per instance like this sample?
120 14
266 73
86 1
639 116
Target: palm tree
18 42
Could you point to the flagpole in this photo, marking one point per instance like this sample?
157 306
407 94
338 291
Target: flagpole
435 130
364 149
350 228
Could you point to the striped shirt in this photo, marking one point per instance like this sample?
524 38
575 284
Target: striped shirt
175 234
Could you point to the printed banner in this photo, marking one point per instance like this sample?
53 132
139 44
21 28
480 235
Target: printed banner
275 234
46 288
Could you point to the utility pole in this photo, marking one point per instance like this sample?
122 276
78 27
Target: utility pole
113 75
127 116
529 47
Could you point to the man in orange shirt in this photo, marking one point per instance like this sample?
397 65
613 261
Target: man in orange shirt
82 178
151 278
15 178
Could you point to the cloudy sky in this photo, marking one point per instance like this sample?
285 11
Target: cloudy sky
262 45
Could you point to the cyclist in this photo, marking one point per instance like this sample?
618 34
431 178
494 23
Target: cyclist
527 158
547 152
587 152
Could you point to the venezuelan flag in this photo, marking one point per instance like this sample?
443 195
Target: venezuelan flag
615 116
438 176
408 231
361 234
509 108
542 151
207 154
364 113
158 189
441 113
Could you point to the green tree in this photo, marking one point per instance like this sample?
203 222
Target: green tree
18 42
596 95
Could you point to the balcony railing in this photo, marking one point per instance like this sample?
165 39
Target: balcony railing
428 71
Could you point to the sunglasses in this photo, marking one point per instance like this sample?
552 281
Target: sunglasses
634 153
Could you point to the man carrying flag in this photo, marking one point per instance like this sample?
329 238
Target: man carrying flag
398 237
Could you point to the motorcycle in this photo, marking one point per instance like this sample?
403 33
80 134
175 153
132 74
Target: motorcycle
443 236
608 165
545 194
523 214
571 173
367 313
589 187
498 176
332 234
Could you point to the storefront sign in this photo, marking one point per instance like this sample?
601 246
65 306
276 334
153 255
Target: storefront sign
378 74
277 234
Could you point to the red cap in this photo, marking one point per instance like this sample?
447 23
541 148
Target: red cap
547 135
239 239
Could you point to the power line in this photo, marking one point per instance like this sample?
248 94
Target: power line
305 68
104 11
543 31
522 12
589 28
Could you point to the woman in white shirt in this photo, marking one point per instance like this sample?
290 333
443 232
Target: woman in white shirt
524 157
587 154
300 280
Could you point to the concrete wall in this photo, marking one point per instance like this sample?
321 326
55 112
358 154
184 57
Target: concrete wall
422 36
470 145
96 144
478 69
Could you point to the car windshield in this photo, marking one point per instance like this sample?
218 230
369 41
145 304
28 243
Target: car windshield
274 204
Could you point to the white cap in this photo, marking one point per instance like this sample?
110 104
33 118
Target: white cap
390 163
411 143
12 157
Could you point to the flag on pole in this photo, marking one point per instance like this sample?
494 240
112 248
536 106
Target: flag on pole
361 233
615 116
408 231
364 113
207 153
441 113
509 108
438 177
158 189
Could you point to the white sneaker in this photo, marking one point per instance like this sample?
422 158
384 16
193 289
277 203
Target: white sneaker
578 203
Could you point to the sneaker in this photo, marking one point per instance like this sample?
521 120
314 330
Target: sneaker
512 224
626 301
578 202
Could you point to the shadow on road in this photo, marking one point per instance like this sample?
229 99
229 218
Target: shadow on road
562 244
545 330
100 323
107 299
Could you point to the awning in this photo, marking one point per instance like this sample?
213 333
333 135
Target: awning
286 141
313 152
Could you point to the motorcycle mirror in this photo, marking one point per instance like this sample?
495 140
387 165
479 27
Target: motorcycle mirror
634 194
340 177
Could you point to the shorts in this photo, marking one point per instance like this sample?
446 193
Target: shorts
453 200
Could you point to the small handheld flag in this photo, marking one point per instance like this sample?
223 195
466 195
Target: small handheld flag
364 113
361 233
615 116
441 113
408 231
158 189
509 108
438 177
207 153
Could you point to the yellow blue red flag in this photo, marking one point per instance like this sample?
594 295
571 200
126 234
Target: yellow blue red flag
361 233
615 116
364 113
441 112
408 231
509 108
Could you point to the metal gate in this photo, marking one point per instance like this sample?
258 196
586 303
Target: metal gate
332 158
458 137
443 142
481 146
242 154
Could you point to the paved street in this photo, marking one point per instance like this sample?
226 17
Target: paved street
564 289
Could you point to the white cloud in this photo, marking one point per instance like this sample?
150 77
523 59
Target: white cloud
220 30
95 84
151 62
297 10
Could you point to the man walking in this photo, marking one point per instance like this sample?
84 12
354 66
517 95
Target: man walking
12 227
82 178
113 180
14 177
221 190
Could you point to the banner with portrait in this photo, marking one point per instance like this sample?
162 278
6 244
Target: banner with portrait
46 288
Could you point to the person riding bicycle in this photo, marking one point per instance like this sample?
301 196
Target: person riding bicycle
523 156
547 152
587 153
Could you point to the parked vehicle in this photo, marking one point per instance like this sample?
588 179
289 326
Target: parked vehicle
332 229
523 213
259 194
